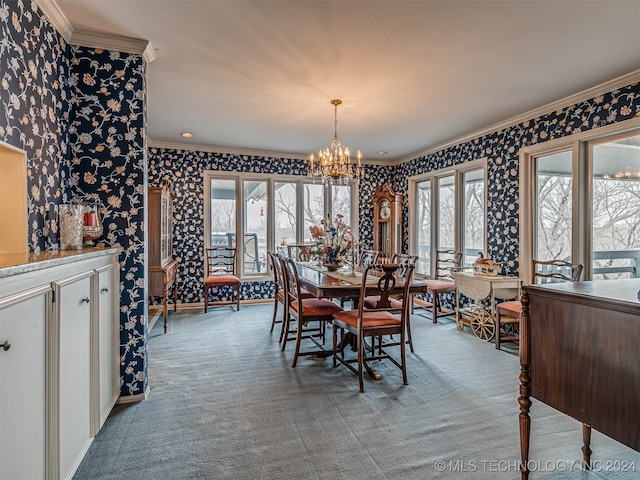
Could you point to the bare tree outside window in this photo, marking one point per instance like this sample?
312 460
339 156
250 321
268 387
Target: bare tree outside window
313 208
554 232
223 206
424 227
474 215
616 209
285 206
446 212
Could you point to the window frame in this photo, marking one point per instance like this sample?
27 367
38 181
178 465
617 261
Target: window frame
580 146
433 176
271 181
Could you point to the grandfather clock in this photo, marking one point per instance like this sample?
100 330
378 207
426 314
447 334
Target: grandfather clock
387 221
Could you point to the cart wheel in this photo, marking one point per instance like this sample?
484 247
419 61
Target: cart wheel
482 324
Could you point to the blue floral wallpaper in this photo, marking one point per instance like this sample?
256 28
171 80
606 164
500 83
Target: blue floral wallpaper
34 108
108 167
185 170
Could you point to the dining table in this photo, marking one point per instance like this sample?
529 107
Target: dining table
345 283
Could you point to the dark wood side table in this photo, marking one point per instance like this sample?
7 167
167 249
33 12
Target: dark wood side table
163 280
579 355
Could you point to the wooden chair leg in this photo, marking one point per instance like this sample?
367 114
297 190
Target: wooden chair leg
436 304
298 342
285 323
206 298
238 299
275 313
409 333
360 364
497 335
335 345
403 357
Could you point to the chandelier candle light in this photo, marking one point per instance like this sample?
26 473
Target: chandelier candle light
334 165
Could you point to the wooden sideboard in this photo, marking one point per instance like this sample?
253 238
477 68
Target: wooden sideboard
579 355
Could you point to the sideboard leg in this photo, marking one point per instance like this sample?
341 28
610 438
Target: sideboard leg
586 447
525 388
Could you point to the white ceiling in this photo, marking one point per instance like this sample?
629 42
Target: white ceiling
260 75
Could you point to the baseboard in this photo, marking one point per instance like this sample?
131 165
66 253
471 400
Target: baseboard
135 398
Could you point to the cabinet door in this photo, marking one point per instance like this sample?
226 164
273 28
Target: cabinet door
23 322
108 352
73 308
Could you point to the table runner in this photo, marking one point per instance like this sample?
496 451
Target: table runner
343 273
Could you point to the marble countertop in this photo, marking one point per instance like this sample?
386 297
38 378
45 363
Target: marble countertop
16 263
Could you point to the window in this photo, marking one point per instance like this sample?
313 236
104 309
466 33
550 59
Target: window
270 213
615 208
423 227
473 215
286 201
553 206
255 226
583 203
439 202
446 212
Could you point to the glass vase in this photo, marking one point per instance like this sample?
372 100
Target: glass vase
71 223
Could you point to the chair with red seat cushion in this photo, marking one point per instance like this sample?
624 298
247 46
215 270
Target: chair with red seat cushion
396 301
280 292
304 311
376 322
221 272
447 261
544 271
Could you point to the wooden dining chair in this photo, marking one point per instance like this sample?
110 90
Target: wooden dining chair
301 253
368 257
221 272
447 261
396 300
280 292
544 271
304 311
377 322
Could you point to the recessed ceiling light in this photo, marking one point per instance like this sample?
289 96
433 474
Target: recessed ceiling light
382 152
187 134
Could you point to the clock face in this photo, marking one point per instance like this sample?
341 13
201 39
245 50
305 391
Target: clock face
385 210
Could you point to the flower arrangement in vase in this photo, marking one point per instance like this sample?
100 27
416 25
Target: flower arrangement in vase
333 242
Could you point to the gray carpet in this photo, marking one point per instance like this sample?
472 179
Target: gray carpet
226 404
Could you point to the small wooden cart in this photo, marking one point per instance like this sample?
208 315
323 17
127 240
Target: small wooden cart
484 289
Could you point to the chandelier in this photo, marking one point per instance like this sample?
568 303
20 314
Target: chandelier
333 164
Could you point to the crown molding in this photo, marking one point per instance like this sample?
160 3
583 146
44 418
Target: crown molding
228 150
94 39
119 43
243 151
582 96
57 19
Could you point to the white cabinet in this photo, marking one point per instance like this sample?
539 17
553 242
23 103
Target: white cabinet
72 308
60 377
107 356
23 380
